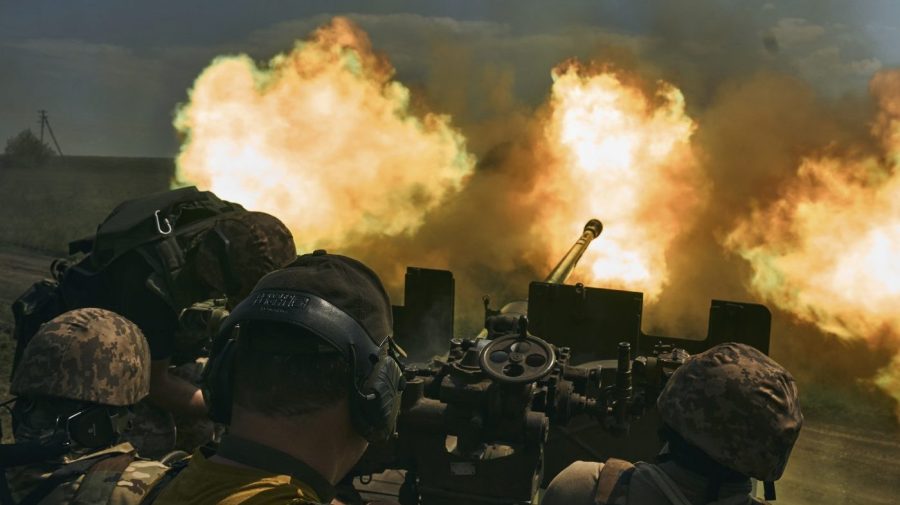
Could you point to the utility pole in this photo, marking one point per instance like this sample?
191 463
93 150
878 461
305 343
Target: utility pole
45 121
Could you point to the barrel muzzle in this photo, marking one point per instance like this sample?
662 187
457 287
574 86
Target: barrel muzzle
558 275
594 226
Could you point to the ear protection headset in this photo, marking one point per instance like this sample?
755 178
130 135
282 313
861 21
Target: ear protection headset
94 427
377 375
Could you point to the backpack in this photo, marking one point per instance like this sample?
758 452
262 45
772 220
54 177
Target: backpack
161 227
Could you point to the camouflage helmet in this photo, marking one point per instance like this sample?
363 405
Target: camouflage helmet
90 355
738 406
252 244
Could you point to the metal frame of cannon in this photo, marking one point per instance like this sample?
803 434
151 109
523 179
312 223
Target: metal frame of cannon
504 433
595 320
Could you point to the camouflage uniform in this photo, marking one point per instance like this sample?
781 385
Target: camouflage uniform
732 403
131 485
84 359
258 243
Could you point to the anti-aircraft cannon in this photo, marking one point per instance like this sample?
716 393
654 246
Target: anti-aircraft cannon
480 425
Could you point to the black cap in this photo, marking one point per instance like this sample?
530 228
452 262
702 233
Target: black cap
345 283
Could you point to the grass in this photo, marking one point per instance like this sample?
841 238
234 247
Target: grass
46 208
855 405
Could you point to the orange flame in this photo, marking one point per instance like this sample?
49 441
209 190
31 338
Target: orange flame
322 138
625 158
827 249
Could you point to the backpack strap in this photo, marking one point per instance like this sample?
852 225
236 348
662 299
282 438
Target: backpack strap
665 484
101 479
174 470
613 481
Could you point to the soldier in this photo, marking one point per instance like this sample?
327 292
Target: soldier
80 374
305 373
729 414
258 244
152 258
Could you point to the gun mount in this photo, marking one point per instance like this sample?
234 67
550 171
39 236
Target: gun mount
473 426
557 378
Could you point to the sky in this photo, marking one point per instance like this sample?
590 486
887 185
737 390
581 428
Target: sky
111 72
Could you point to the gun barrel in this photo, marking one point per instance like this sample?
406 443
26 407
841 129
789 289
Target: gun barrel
561 272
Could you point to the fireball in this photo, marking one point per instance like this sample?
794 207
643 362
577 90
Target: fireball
624 157
826 250
322 137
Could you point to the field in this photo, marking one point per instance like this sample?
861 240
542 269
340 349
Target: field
43 209
849 451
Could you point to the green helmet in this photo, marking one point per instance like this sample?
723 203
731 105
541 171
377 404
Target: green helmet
738 406
250 244
90 355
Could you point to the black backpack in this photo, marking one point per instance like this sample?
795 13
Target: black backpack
160 227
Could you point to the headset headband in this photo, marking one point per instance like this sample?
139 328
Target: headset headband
313 314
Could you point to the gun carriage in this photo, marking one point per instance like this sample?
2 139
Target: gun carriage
548 381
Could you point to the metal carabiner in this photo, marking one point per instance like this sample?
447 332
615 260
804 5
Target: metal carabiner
159 226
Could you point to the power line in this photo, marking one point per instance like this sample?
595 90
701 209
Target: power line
45 121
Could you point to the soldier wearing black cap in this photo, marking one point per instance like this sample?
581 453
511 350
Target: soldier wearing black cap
303 371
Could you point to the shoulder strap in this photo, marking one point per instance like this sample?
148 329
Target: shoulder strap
161 484
665 484
101 479
613 481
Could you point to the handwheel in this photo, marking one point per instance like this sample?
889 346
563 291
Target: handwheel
517 359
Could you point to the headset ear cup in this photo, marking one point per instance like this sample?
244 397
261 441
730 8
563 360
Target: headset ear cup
93 428
217 383
377 403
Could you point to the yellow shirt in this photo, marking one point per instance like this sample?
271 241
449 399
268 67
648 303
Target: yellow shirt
204 482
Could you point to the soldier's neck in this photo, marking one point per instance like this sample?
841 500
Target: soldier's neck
325 441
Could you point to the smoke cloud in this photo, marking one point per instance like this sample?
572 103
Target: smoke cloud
728 133
323 138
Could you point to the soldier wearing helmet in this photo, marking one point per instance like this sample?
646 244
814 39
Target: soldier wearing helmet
729 414
152 259
80 375
225 260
